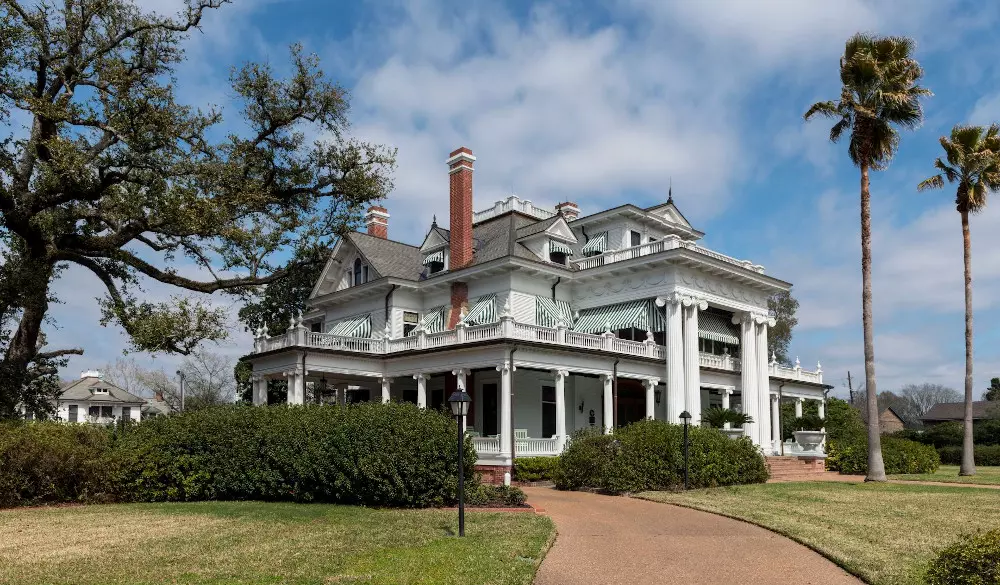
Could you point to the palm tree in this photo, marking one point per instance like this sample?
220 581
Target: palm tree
973 154
879 93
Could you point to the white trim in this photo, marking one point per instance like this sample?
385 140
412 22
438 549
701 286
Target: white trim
454 170
462 156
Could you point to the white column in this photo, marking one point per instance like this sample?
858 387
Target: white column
341 390
386 383
259 390
506 422
675 358
822 408
776 424
692 366
560 378
651 397
798 408
608 410
296 386
421 389
748 376
764 382
726 392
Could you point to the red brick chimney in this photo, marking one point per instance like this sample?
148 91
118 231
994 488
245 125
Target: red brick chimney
460 193
377 219
569 210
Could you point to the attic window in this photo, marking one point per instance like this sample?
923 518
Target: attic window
100 390
558 252
360 272
434 262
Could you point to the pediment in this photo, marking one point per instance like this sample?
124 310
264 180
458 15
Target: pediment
668 212
433 241
561 230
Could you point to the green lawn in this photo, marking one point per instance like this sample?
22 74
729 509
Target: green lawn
949 473
252 542
885 533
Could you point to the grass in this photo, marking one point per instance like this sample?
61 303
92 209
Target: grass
949 473
253 542
884 533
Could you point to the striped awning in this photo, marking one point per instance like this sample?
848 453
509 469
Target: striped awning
597 245
633 314
435 257
716 327
360 326
548 311
483 311
433 321
555 246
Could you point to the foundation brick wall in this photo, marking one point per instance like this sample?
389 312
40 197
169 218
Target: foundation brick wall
492 474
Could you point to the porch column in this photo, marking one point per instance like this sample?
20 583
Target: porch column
764 379
726 392
560 379
341 390
692 366
776 423
386 384
296 386
607 410
798 408
259 390
748 376
675 357
822 408
421 390
650 385
506 424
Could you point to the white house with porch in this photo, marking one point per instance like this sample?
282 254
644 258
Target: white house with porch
551 320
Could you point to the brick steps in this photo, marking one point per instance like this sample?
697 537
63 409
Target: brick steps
786 468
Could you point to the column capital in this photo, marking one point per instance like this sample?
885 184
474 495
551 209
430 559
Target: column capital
385 379
669 298
606 378
560 373
421 377
460 372
744 317
506 367
799 399
650 382
697 303
727 391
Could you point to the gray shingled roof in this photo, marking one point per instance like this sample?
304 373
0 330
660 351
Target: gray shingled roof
388 257
537 227
83 390
956 411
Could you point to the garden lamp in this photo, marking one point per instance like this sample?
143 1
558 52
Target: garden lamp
686 417
459 402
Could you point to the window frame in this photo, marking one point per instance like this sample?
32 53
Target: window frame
635 238
409 326
548 409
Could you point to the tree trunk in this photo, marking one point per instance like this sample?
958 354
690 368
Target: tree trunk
876 467
968 466
35 278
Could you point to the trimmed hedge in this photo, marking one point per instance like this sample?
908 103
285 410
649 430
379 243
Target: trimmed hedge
535 468
50 462
899 456
973 560
370 454
495 496
984 455
649 455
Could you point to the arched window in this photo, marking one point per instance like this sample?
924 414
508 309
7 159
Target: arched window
357 271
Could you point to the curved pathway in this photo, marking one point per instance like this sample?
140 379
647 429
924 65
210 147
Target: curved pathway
609 540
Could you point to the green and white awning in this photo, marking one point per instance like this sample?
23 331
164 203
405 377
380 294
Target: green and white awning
483 311
433 320
555 246
435 257
360 326
548 311
716 327
596 245
633 314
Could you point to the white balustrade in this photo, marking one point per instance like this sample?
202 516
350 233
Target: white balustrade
668 243
535 333
796 374
513 203
442 338
482 332
584 340
486 444
403 343
529 446
629 347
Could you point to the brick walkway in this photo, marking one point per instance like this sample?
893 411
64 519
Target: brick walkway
610 540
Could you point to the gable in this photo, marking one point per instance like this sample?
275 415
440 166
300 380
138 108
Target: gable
434 239
560 229
668 212
335 274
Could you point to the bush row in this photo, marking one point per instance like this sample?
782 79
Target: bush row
973 560
369 454
984 455
899 456
535 468
649 455
950 434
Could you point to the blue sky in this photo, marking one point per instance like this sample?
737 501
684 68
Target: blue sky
605 103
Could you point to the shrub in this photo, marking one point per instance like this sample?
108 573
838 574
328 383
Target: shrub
368 454
984 455
973 560
899 456
944 434
535 468
987 432
649 455
717 417
50 462
808 422
495 496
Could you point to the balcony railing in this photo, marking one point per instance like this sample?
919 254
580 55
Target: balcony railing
507 328
512 203
668 243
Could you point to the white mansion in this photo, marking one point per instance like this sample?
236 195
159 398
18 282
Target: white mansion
551 320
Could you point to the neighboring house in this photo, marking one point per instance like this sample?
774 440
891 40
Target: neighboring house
890 421
955 411
92 399
553 321
156 406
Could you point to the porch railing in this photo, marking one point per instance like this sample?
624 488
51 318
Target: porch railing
523 447
668 243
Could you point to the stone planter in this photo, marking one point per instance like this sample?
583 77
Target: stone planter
809 440
732 433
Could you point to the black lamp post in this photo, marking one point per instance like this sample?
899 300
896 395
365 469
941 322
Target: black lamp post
459 402
686 416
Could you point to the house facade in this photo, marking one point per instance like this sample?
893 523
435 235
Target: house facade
550 319
92 399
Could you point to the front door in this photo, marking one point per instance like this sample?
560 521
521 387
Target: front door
631 401
491 400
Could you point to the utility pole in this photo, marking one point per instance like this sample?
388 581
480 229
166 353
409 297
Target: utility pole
180 374
850 388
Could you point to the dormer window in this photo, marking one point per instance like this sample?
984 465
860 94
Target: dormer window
434 261
596 245
558 252
100 390
360 272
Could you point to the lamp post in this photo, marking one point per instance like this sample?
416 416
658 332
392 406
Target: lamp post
686 416
459 402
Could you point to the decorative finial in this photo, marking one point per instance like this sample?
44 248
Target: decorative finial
774 358
607 326
819 367
263 330
649 336
299 320
291 320
434 220
797 364
670 192
387 330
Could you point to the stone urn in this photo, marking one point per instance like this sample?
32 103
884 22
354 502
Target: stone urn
732 433
809 440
